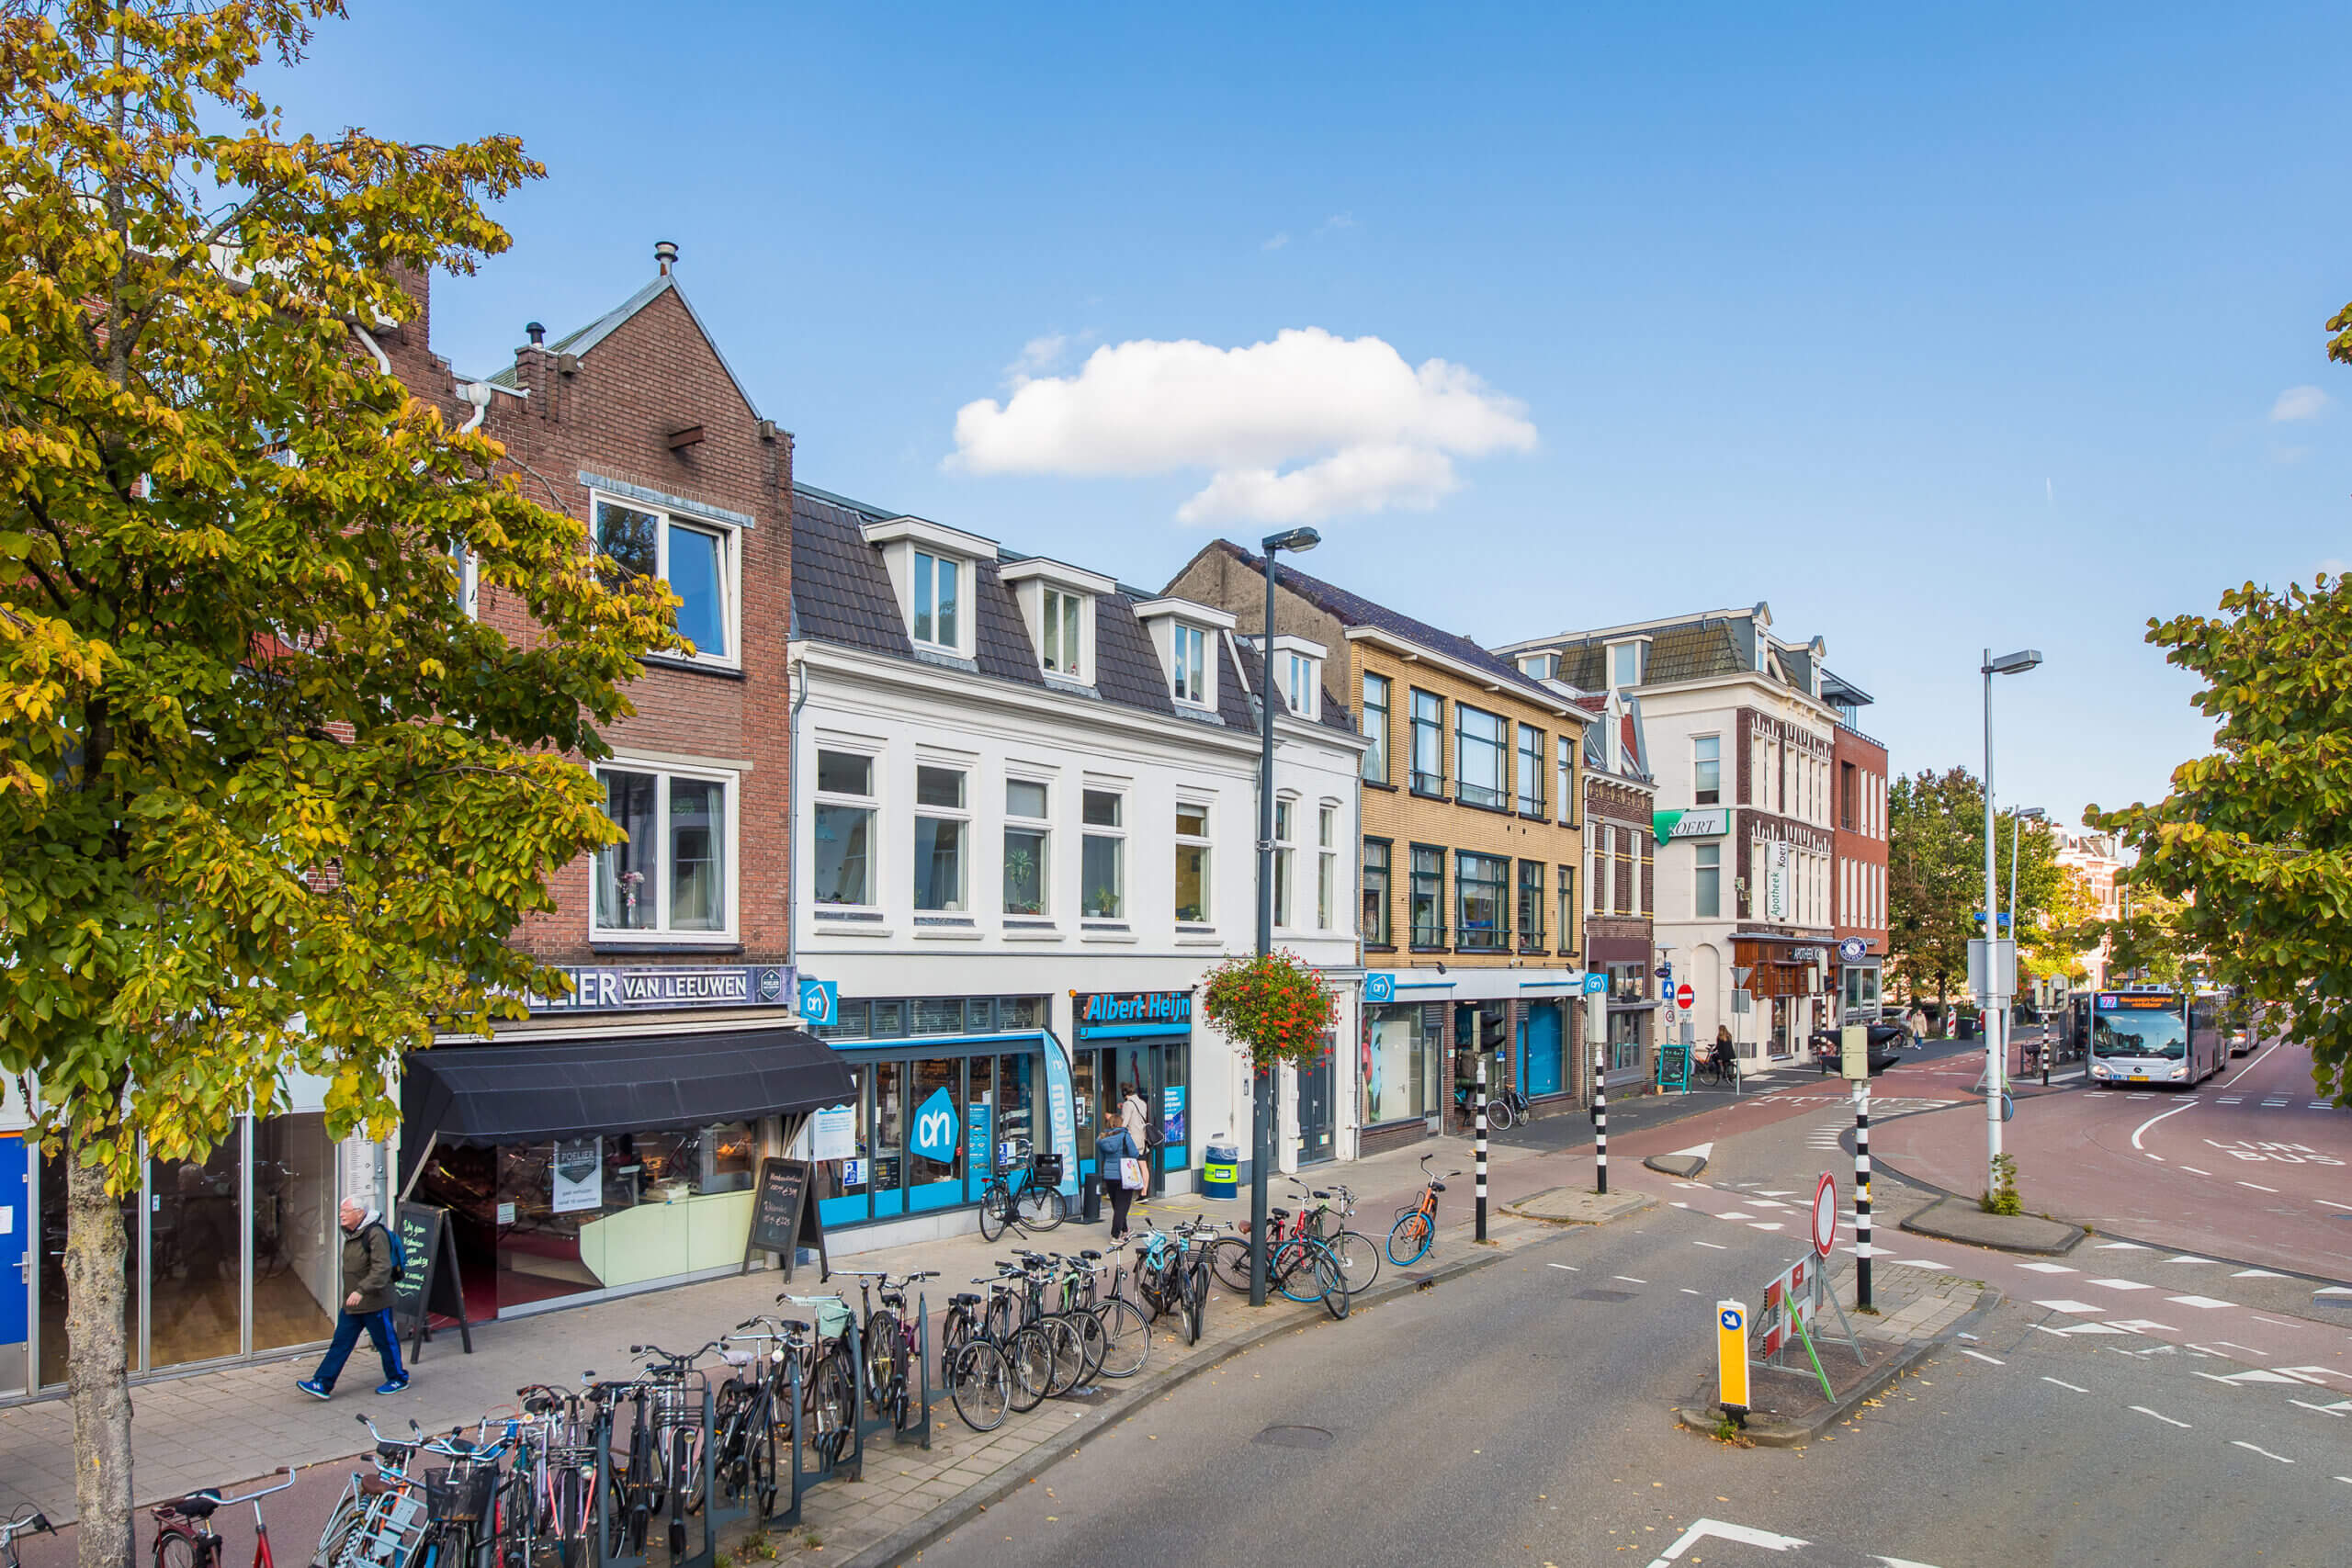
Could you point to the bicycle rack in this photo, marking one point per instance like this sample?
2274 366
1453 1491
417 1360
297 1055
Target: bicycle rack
707 1555
918 1430
851 1466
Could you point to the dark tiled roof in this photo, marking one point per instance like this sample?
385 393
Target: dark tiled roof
839 591
1691 651
1353 610
585 338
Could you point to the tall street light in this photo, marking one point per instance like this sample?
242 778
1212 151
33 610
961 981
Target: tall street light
1262 1096
1992 1002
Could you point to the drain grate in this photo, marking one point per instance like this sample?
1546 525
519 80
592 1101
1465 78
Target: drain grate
1605 1295
1293 1438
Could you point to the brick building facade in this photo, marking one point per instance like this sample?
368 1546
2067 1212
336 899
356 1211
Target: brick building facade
1859 814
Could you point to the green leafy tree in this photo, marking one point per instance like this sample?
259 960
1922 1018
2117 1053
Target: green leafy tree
1935 875
271 798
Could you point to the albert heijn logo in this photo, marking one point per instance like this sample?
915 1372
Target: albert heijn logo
1138 1007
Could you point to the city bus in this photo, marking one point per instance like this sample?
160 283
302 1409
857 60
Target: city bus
2148 1035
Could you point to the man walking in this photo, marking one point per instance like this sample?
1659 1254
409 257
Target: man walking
366 1303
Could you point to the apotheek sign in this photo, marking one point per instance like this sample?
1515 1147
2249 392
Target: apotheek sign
599 988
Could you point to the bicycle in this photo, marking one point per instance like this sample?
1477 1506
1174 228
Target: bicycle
27 1521
828 1373
889 1342
379 1518
743 1453
678 1390
1126 1332
559 1473
972 1362
1499 1110
184 1534
1717 1064
1036 1204
1415 1231
461 1499
1357 1254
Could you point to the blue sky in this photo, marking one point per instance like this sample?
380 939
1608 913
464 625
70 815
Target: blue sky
1933 331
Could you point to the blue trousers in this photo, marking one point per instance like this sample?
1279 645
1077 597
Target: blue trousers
347 1325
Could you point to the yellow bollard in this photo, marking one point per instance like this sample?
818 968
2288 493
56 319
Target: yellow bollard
1731 1361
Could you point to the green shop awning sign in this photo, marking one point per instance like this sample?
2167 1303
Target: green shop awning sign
1711 822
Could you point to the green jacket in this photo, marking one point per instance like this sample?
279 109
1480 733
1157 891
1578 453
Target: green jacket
368 1268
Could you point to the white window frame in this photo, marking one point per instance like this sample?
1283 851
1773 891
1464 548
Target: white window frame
1698 864
1188 640
916 609
1326 869
660 934
1117 832
1600 872
1301 684
730 564
1062 618
1522 774
869 802
962 814
1617 652
1041 826
1564 774
1285 859
1205 842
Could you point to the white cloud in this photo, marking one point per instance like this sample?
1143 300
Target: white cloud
1276 243
1307 426
2299 402
1037 356
1335 222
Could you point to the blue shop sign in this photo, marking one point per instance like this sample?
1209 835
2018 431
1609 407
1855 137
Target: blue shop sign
1129 1013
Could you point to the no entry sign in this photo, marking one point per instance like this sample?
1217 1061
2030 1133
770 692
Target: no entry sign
1825 1215
1686 998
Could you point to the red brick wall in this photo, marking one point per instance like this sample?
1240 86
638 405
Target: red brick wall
1868 758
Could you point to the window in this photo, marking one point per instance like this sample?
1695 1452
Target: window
842 865
1531 770
1192 862
1563 772
1543 665
1847 795
1530 905
1061 622
1428 895
1645 876
1300 682
1566 895
1375 727
1479 888
694 558
1402 1061
1627 901
1192 664
1428 744
1326 863
1375 928
1707 883
937 600
1479 747
941 828
1283 811
1596 879
1707 770
1102 883
671 875
1027 838
1625 664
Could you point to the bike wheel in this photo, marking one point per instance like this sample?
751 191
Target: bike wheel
1091 1334
1333 1284
1041 1208
759 1470
1069 1354
1229 1261
1030 1355
995 1211
571 1522
1410 1239
1126 1337
1358 1258
1291 1268
979 1384
832 1407
954 1335
1196 1298
176 1550
881 1358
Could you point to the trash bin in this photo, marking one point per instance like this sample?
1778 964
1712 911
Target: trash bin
1968 1029
1220 1171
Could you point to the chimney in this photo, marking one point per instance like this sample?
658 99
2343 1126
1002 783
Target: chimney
536 332
665 255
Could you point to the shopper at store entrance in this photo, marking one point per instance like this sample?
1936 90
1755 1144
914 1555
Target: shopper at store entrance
1136 1116
1114 1146
366 1303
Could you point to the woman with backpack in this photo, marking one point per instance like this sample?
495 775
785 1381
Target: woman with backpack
371 1269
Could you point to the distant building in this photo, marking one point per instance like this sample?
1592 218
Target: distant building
1857 813
2094 859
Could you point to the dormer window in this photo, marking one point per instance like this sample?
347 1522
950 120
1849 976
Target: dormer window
1299 685
1060 616
934 570
1298 674
1058 602
937 602
1541 666
1624 664
1184 636
1191 645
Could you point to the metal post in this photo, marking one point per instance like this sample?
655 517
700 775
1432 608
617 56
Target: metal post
1482 1141
1862 1194
1600 1119
1262 1098
1994 1057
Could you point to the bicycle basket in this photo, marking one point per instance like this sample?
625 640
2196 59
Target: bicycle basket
459 1497
1047 1170
677 1404
831 1314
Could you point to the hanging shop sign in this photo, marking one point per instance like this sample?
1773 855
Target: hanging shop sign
1708 823
1135 1012
603 989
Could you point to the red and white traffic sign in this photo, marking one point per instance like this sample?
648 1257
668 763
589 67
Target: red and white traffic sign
1686 998
1825 1215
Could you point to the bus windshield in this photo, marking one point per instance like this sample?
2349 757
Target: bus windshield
2149 1033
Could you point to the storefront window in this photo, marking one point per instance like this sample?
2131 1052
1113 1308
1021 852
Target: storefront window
298 1242
53 1343
1401 1079
193 1248
935 1133
1624 1040
842 1184
890 1134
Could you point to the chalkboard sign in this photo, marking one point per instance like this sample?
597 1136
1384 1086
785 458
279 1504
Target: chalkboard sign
784 1217
431 1283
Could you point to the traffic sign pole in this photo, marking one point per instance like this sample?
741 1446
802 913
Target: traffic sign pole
1862 1196
1731 1361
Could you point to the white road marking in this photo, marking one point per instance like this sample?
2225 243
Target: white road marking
2194 1171
2096 1328
1716 1246
2046 1267
2154 1156
2251 1374
2334 1204
2083 1309
2250 1065
1673 1203
1770 1194
2123 1284
1764 1225
2206 1304
2256 1274
1988 1361
1688 1291
2076 1387
2324 1409
2266 1453
2273 1322
2166 1419
1627 1277
2152 1120
1569 1266
2189 1257
2143 1326
2124 1247
2258 1187
1702 1529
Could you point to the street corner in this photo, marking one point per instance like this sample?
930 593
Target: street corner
1959 1219
1788 1407
1577 1206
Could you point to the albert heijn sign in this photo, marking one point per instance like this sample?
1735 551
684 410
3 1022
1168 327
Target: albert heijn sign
1134 1012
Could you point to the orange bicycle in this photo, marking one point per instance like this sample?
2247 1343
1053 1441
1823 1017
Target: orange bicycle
1415 1231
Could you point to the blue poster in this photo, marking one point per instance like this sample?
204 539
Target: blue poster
1060 1117
978 1116
935 1137
1172 1113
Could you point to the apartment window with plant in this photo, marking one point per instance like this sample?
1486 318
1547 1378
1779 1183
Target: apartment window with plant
1707 882
1479 745
1061 627
1326 863
696 560
1284 852
1375 928
1192 862
1028 840
1192 664
1428 743
942 828
1374 720
842 869
1707 770
1428 896
1530 771
1530 906
938 601
1481 883
671 875
1103 856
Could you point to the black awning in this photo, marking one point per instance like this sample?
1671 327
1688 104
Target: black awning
547 1089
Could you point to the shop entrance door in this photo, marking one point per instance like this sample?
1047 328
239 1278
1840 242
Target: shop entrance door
1315 1110
14 1276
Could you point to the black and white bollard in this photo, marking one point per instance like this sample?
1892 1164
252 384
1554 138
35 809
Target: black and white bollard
1481 1108
1600 1123
1862 1194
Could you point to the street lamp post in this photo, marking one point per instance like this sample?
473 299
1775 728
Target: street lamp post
1992 1001
1261 1097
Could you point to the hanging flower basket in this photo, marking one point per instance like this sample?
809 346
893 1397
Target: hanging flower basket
1276 1005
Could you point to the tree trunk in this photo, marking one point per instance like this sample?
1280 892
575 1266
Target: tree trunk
94 1298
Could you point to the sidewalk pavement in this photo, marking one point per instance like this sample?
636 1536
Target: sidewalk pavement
222 1427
